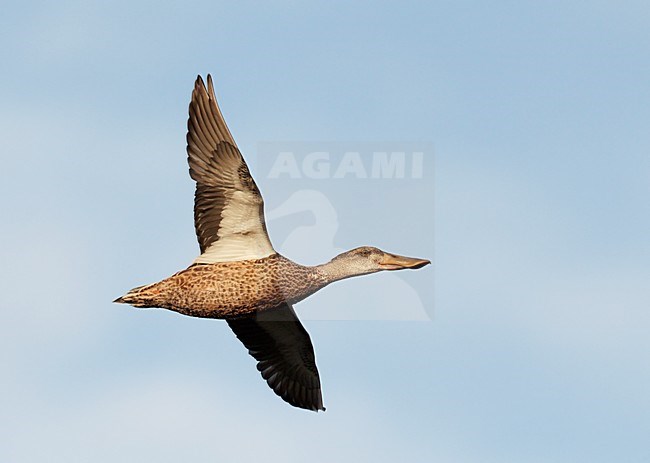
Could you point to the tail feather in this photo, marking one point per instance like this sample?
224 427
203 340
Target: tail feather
138 297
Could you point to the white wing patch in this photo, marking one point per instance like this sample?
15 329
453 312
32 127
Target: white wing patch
242 235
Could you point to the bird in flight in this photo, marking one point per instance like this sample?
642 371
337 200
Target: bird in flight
238 276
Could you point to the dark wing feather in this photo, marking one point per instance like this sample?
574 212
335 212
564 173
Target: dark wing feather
284 354
228 206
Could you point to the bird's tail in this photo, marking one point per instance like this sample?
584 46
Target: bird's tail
142 296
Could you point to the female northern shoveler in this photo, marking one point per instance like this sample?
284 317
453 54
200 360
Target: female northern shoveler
239 276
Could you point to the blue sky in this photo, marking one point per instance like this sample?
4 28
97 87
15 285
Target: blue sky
534 211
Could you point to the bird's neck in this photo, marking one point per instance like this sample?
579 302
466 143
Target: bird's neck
339 269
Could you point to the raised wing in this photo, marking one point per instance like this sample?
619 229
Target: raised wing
284 354
228 206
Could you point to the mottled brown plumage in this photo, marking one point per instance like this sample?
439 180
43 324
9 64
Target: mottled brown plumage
230 289
239 276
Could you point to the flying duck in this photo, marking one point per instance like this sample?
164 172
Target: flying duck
238 276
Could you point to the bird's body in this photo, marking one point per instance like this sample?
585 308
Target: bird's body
231 289
238 276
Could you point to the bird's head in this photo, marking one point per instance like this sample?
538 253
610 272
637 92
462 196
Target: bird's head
366 259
